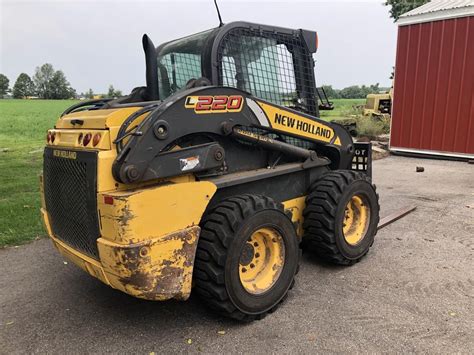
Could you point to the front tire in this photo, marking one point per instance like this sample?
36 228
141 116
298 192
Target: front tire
247 257
341 217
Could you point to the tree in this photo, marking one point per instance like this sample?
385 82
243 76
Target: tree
4 82
351 92
23 87
89 94
112 93
399 7
42 80
72 93
59 86
51 84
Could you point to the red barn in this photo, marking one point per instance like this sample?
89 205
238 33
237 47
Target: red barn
433 100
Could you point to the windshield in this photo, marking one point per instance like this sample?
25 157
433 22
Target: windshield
179 61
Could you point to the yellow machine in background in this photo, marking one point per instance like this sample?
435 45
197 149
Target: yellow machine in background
379 105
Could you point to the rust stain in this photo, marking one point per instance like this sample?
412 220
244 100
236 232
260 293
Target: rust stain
125 217
160 279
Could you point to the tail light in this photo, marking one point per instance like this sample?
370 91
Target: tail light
96 139
53 137
87 139
48 137
79 139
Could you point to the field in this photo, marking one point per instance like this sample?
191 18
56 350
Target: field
342 108
23 126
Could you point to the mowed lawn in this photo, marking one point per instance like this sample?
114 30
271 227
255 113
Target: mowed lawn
342 108
23 127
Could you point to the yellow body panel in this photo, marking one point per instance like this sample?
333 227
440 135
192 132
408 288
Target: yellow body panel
296 207
156 269
144 214
98 119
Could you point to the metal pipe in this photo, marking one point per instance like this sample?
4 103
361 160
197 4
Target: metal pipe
269 143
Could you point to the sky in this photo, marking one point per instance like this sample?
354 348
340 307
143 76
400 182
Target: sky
98 43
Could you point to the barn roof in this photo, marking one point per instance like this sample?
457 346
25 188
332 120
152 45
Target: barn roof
437 10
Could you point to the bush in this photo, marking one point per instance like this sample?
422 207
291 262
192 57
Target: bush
372 126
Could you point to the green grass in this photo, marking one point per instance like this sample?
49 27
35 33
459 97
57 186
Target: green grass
23 126
342 108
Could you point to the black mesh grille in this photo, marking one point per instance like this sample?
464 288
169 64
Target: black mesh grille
70 195
273 66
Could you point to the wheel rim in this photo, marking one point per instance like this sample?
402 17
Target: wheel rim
261 260
356 220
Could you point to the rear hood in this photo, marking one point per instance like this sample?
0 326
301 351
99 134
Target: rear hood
96 119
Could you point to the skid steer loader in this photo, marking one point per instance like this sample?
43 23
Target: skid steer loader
214 176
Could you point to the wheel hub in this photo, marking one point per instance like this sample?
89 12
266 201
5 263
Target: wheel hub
356 219
247 255
261 260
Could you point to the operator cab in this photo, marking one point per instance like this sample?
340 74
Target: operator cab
271 63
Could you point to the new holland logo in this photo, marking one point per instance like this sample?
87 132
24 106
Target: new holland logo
67 154
296 124
214 104
302 126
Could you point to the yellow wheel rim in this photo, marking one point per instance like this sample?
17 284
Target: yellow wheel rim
356 220
261 260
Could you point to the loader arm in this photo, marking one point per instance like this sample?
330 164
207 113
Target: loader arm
219 111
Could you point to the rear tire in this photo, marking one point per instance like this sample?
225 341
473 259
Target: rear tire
247 257
341 217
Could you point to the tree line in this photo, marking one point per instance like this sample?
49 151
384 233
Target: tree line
46 83
352 92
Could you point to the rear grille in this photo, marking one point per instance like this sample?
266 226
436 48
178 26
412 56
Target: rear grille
70 190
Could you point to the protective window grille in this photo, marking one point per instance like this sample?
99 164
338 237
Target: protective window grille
274 67
175 69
